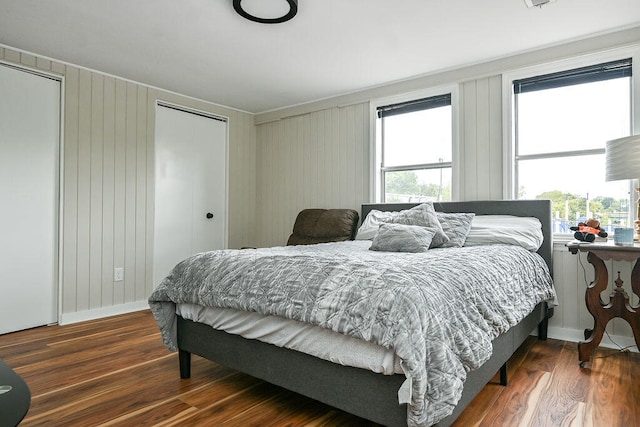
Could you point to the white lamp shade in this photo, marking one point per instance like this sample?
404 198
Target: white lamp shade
622 158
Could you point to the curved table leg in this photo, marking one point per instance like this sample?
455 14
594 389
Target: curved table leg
598 309
631 313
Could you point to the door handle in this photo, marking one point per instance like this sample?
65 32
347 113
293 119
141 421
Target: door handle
209 215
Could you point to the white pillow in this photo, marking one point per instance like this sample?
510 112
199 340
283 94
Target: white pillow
506 229
369 227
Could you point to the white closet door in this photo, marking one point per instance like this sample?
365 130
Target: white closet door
190 183
29 144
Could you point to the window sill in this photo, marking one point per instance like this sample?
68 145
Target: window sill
559 240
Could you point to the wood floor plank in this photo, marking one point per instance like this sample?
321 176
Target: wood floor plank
543 355
475 413
153 415
519 404
284 408
68 368
570 381
219 412
556 411
115 372
609 389
634 369
219 389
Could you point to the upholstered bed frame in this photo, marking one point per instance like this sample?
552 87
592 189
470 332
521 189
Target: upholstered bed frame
359 391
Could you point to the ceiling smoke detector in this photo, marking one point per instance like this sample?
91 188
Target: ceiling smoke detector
537 3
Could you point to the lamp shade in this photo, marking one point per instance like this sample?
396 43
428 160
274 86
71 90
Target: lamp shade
622 158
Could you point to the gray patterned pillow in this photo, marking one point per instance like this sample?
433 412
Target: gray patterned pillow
423 215
456 226
402 238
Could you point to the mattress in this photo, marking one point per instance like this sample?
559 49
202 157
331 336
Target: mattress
303 337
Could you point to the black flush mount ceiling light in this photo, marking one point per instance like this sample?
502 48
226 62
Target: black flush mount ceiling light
266 17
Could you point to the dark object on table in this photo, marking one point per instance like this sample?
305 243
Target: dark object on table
587 231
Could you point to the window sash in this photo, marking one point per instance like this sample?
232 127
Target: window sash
414 105
589 74
439 165
559 154
442 167
406 107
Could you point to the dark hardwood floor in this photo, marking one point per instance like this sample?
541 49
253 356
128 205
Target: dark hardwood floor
115 372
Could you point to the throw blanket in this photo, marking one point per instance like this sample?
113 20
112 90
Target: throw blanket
438 310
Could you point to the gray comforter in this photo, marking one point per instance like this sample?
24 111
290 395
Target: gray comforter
438 310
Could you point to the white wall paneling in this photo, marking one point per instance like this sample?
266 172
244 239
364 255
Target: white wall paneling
108 187
316 160
481 139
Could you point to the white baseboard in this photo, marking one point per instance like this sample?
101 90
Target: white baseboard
99 313
608 341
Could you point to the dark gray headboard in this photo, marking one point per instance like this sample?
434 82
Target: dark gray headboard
540 209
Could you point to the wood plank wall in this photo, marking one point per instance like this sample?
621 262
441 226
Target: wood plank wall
480 147
108 174
316 160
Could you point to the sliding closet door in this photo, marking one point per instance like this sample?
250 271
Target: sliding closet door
190 187
29 145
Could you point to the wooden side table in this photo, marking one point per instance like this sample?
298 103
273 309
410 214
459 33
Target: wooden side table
619 304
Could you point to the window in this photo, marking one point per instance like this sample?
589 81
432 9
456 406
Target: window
561 122
414 146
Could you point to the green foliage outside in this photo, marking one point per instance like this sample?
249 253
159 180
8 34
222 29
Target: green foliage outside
401 185
606 209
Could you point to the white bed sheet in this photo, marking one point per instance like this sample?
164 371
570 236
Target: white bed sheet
299 336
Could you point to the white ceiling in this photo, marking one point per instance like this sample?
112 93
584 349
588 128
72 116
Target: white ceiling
202 48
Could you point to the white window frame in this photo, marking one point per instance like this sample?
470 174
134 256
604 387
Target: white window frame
375 150
633 52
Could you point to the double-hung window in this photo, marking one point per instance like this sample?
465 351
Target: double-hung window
561 122
414 150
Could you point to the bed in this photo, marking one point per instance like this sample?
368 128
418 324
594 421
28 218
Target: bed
363 392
